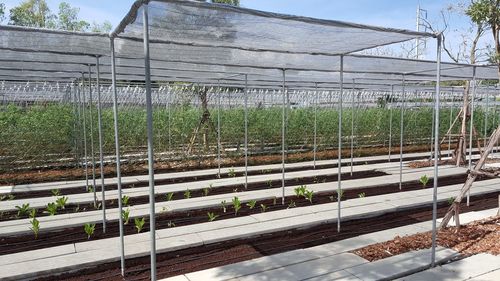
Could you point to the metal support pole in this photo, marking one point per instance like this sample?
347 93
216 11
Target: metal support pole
117 151
283 141
486 115
169 118
218 130
339 153
451 117
432 132
84 104
473 82
94 185
401 129
352 124
149 119
100 136
436 152
315 144
246 131
390 120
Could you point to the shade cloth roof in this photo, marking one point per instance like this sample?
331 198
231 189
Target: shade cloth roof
206 43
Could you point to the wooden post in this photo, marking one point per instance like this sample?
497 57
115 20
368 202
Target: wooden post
454 209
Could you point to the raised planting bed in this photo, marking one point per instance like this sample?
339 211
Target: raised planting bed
200 192
174 180
219 254
25 242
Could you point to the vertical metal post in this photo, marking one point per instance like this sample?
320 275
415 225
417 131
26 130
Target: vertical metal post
432 132
473 82
246 131
100 136
339 153
283 141
436 152
117 151
352 124
486 115
451 117
390 121
218 129
315 126
149 119
401 129
169 118
94 186
84 104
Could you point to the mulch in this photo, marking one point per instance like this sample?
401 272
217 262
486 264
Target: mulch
474 238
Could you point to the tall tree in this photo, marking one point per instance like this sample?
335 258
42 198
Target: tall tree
2 12
105 26
487 13
205 125
32 13
68 19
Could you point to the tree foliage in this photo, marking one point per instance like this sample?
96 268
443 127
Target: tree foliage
228 2
487 12
68 19
32 13
2 12
36 13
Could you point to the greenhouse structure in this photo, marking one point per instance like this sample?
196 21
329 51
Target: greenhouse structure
198 141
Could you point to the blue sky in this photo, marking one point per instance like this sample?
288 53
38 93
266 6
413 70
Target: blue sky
387 13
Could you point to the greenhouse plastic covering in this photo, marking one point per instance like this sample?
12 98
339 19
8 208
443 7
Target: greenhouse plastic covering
203 43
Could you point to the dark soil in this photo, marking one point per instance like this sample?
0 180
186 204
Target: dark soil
72 208
213 255
25 242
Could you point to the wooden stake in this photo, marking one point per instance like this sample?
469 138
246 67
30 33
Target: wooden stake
454 209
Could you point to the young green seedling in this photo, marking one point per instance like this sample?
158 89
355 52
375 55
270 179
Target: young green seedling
212 216
90 189
126 216
361 195
236 205
223 204
89 229
170 224
187 194
291 205
263 208
424 180
32 214
251 204
56 192
231 173
270 183
340 194
170 196
309 195
61 202
206 191
125 200
23 210
139 224
451 200
300 191
35 227
51 209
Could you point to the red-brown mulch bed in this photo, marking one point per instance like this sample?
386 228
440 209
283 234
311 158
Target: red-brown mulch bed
474 238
